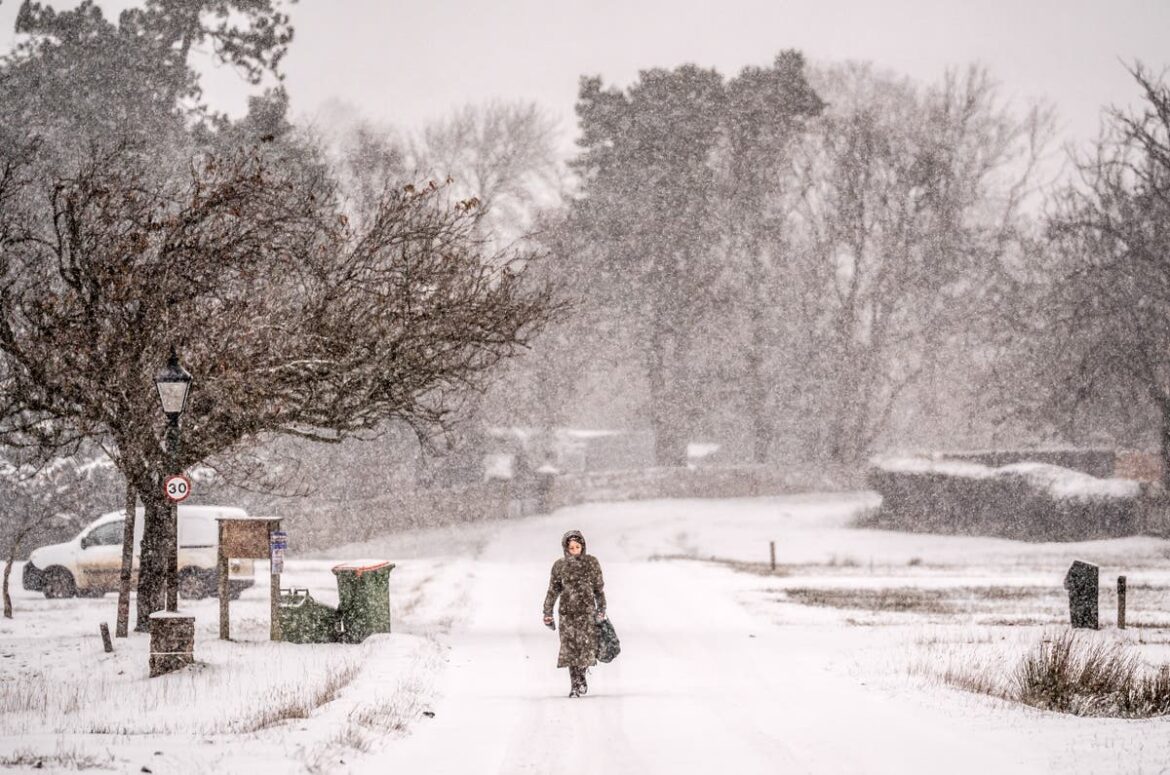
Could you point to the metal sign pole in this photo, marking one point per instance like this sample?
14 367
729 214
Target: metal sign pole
221 563
277 542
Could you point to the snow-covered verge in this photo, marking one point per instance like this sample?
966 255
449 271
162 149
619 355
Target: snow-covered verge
841 660
247 705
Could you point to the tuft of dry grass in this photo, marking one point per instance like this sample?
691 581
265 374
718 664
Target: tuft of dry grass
1069 675
901 599
1066 673
300 704
757 568
843 562
964 601
979 682
351 737
56 761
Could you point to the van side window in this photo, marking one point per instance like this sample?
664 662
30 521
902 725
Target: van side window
109 534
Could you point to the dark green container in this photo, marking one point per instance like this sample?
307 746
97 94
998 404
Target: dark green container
363 593
305 620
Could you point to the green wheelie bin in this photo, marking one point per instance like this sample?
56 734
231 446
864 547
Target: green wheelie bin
363 592
305 620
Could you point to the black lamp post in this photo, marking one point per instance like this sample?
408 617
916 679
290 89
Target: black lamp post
173 382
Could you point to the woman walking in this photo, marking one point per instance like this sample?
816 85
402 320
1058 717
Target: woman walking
576 580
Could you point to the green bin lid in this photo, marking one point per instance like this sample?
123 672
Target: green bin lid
361 566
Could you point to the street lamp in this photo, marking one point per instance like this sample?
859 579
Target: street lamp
173 382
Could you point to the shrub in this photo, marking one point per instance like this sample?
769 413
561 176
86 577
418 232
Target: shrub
1068 675
1029 501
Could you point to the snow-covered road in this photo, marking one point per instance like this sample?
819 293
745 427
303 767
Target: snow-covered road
702 684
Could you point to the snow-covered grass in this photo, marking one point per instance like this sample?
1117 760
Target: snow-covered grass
67 704
860 643
229 686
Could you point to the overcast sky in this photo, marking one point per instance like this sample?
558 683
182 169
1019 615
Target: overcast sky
406 62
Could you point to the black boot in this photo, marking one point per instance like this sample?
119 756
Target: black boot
576 677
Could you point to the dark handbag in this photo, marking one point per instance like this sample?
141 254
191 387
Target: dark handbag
608 645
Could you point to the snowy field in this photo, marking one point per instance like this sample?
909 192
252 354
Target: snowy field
834 663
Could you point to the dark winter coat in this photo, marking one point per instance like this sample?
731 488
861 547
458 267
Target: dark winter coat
577 582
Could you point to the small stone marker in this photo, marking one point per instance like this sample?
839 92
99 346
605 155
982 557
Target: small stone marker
1081 581
172 642
107 644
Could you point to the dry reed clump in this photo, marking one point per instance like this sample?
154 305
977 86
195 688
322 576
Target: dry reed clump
395 713
68 759
298 703
1070 675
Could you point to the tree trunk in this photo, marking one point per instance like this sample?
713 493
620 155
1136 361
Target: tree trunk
1164 405
152 565
127 561
7 573
758 396
762 429
669 448
757 388
11 560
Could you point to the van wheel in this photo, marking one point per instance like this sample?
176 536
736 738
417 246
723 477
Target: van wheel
59 583
192 584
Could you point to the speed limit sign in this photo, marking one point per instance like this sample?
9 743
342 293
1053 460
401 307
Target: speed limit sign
177 487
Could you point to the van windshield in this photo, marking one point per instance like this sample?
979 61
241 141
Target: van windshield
109 534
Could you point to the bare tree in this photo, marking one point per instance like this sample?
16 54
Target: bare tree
914 200
367 159
47 501
1105 319
501 155
292 320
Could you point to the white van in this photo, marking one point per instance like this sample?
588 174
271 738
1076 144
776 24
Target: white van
90 564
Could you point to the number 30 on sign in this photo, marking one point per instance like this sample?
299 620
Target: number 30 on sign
177 488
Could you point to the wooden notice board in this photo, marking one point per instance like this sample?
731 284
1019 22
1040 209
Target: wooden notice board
247 539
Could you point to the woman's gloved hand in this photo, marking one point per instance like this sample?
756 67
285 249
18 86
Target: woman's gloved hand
548 622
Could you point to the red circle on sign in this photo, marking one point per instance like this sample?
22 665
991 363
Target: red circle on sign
177 488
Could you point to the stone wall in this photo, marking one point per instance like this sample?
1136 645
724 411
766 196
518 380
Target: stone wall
333 523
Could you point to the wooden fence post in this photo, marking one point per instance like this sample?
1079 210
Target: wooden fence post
1121 602
221 568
